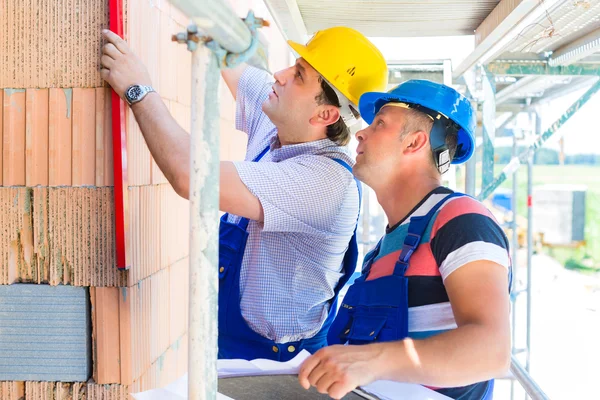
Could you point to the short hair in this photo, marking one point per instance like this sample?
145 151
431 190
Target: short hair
419 121
337 132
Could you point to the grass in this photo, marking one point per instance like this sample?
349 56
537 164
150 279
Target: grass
586 258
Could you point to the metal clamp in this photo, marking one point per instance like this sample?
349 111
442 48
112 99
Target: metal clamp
226 59
191 37
231 60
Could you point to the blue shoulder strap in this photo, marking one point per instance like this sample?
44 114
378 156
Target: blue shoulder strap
348 274
243 223
262 153
416 228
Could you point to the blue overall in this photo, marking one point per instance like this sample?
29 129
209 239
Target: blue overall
377 310
236 338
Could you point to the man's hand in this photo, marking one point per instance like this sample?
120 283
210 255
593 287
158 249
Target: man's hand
120 67
336 370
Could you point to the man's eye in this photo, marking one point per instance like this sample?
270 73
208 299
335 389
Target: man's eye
380 122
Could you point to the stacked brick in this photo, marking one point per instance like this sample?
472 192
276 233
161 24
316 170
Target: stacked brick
56 185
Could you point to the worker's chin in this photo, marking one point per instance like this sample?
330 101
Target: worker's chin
271 110
360 171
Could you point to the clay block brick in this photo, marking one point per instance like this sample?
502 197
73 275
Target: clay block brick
167 81
51 44
136 332
13 147
74 391
184 75
134 238
60 137
178 299
159 317
58 236
125 329
82 243
106 334
181 349
140 328
174 226
40 390
84 137
149 51
104 149
180 18
36 137
41 248
146 319
11 390
16 235
149 203
182 114
107 392
166 368
1 130
108 140
138 155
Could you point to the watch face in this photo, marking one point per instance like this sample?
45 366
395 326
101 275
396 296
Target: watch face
134 93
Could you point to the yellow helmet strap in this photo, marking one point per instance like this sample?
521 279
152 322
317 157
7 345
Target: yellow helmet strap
346 113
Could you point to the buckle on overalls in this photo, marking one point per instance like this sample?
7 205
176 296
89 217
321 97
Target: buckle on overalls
410 245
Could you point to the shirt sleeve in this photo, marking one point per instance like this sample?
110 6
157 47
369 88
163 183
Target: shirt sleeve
465 231
252 91
306 194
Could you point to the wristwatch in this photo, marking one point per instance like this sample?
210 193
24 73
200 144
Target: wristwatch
135 93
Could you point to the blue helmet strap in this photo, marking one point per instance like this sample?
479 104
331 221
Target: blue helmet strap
442 127
439 148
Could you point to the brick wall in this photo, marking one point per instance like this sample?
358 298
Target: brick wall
56 197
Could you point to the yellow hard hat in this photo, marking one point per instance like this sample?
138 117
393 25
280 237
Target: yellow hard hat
347 60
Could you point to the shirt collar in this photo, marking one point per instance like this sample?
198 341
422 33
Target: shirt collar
280 153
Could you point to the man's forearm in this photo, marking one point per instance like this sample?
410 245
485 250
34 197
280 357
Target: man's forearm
469 354
232 76
167 141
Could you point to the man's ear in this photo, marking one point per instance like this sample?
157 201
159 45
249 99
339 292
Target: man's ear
325 115
415 142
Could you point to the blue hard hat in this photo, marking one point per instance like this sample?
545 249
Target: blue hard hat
433 96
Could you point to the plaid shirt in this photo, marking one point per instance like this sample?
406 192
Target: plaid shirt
293 260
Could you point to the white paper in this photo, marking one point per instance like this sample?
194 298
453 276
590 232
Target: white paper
385 390
390 390
177 390
261 366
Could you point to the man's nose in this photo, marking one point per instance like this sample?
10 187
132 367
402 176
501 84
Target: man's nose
282 76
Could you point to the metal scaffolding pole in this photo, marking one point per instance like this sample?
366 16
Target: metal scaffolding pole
514 249
489 127
234 38
538 128
530 386
471 170
539 142
218 21
204 227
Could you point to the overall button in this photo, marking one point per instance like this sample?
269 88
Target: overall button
275 349
291 349
221 269
347 331
372 333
